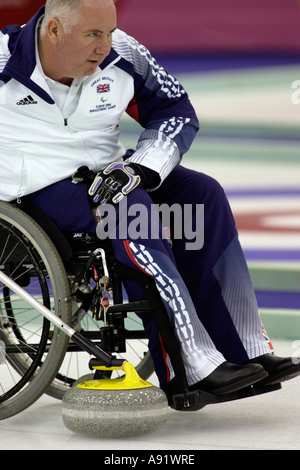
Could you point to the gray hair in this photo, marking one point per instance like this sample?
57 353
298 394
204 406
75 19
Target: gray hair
67 11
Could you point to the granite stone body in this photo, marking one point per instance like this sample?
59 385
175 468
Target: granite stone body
114 413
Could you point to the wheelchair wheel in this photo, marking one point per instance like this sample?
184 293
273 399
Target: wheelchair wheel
31 348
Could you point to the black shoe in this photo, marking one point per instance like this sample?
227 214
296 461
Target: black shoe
229 377
279 369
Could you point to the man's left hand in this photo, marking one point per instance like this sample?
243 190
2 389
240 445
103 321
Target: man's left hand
117 180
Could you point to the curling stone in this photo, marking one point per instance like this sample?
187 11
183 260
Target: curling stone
115 408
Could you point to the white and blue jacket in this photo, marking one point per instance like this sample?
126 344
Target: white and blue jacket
39 147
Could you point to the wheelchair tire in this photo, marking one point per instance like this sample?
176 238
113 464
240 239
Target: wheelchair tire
31 348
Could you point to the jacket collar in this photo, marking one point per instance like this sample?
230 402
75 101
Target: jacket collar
22 62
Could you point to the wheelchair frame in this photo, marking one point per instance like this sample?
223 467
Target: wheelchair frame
112 335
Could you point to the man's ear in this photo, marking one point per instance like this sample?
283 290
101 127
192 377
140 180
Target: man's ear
54 30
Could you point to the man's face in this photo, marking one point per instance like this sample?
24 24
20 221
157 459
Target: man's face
86 46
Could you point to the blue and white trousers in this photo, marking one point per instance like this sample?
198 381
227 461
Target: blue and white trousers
205 287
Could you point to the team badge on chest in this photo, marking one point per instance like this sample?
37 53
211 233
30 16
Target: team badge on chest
103 88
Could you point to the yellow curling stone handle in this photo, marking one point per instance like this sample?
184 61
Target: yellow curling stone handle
130 381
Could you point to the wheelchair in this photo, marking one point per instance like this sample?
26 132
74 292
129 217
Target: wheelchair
77 277
64 313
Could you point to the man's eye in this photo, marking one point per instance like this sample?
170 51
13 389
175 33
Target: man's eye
93 34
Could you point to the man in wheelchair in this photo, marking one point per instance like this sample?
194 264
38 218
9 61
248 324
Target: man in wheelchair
66 78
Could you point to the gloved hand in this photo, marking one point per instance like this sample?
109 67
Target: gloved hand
117 180
83 175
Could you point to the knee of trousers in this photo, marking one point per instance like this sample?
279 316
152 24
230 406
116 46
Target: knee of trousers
186 186
208 190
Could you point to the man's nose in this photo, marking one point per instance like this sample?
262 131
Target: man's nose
103 46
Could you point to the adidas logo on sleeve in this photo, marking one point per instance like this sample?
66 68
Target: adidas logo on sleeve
27 100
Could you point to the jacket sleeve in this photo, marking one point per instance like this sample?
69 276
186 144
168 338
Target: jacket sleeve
162 107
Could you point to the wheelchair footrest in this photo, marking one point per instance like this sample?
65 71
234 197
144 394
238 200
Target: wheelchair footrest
192 401
195 400
253 391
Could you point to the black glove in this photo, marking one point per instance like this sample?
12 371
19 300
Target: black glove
83 175
116 181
